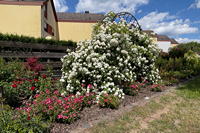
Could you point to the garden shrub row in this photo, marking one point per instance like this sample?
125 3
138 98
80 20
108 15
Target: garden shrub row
181 49
180 63
32 40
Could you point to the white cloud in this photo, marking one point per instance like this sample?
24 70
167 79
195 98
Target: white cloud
196 4
97 6
61 5
163 23
185 40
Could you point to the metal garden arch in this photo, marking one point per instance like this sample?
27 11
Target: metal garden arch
128 17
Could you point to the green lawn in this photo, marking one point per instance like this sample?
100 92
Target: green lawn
177 111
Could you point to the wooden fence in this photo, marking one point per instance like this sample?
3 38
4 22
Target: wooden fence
49 55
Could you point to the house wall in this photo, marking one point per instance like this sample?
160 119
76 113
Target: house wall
20 19
164 45
51 20
75 31
154 39
173 45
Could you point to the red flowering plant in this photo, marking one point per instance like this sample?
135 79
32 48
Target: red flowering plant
50 105
133 89
89 99
33 67
33 64
46 82
17 91
109 101
156 87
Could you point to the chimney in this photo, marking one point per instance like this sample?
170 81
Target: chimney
87 12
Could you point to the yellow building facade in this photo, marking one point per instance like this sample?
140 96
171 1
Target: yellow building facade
13 22
38 18
76 31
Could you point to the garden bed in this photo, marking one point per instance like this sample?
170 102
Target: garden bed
93 115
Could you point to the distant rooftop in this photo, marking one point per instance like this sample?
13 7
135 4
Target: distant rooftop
163 38
160 37
166 38
80 17
173 41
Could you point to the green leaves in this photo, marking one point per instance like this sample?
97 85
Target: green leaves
30 40
12 122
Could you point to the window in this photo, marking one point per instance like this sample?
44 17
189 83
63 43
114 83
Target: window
45 11
49 29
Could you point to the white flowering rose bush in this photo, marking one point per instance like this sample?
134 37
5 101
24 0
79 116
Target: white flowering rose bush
117 53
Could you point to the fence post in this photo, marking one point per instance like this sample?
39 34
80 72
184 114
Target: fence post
48 60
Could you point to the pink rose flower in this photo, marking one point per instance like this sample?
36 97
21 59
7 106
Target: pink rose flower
89 86
60 116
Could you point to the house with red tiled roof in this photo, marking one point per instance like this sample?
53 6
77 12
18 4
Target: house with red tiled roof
164 42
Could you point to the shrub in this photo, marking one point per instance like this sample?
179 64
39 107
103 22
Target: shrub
181 74
53 106
156 87
32 64
179 67
13 122
181 49
117 53
172 77
164 55
88 100
177 52
18 91
133 88
20 82
173 64
10 71
161 63
109 101
194 46
192 61
16 69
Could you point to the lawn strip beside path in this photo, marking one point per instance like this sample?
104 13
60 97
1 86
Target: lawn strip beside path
175 111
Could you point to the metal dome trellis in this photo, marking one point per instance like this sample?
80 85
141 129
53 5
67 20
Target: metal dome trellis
128 17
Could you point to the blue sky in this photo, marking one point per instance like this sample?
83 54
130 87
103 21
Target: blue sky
179 19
